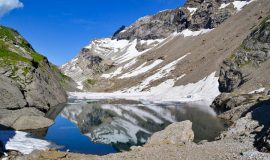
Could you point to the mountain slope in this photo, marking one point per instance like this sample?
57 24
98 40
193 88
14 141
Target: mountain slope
29 84
189 50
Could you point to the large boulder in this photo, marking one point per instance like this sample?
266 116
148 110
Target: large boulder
10 94
8 117
31 123
176 133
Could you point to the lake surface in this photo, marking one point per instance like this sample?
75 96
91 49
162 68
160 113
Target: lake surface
109 126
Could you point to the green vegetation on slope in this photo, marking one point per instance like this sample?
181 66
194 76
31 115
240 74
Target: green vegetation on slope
10 41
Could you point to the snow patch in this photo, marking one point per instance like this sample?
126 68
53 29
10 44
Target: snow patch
163 72
240 4
113 74
192 10
23 142
257 91
141 69
188 33
119 70
80 85
224 5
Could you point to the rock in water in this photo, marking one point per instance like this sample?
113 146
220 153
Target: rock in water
31 123
176 133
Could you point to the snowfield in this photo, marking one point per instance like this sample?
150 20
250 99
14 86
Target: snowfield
189 33
204 92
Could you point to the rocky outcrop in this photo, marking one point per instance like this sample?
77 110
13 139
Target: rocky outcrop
231 106
194 15
176 133
27 79
248 111
237 69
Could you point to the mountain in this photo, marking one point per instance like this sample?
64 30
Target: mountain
29 84
178 46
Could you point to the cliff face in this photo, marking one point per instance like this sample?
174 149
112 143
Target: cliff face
29 84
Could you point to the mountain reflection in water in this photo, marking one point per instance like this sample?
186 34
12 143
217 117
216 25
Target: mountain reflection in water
123 124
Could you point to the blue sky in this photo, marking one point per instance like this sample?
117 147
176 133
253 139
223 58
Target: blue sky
58 29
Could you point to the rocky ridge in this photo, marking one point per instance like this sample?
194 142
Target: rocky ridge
194 15
165 36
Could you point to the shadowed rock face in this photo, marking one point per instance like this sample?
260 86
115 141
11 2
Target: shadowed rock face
27 79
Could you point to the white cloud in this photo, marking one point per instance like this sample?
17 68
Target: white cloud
7 5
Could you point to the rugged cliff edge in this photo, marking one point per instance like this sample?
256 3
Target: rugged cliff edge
29 84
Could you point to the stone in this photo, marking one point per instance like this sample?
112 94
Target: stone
10 94
176 133
31 123
8 117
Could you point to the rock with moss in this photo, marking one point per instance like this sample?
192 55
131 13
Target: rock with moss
27 78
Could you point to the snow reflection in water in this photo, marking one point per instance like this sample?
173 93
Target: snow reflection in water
123 124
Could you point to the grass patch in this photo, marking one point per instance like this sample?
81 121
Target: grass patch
37 57
26 70
91 81
11 56
7 33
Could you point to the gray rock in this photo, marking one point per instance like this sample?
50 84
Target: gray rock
176 133
8 117
31 123
27 80
230 77
10 94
